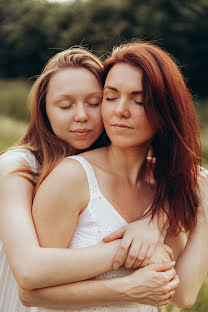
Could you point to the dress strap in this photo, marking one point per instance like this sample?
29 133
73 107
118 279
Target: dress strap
92 180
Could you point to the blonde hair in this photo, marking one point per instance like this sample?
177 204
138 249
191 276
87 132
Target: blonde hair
48 149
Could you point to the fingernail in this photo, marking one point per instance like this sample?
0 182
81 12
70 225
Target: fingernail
173 262
116 265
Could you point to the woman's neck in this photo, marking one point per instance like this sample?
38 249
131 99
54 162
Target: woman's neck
127 162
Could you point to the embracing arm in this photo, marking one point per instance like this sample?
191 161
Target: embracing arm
151 285
78 294
192 264
33 266
55 228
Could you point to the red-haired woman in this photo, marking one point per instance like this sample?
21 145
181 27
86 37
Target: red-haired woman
146 105
66 118
181 188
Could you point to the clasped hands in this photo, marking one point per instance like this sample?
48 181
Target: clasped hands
155 280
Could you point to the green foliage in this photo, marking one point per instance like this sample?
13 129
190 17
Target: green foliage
202 112
32 30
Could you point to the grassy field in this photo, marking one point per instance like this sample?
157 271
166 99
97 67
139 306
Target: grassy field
13 112
10 131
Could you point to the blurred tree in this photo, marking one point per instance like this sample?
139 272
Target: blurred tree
32 30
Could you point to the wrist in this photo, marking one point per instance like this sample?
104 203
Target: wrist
118 289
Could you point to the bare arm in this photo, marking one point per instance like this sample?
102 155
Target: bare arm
151 285
79 294
32 266
192 264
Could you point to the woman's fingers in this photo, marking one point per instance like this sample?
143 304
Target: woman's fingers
132 254
115 235
122 252
172 293
149 254
172 285
169 251
141 255
169 275
162 267
163 303
167 295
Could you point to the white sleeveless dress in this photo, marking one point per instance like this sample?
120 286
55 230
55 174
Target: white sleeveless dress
97 220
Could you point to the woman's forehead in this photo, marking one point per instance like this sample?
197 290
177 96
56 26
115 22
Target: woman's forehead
125 75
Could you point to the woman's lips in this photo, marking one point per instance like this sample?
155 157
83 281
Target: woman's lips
121 126
81 132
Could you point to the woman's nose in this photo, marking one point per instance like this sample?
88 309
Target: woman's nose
122 108
80 114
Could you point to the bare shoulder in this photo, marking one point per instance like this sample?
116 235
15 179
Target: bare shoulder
67 184
68 171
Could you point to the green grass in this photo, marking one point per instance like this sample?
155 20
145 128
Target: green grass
13 101
202 110
10 131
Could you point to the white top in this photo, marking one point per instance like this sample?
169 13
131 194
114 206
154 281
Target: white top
97 220
16 153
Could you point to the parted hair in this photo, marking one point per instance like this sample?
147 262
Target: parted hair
176 148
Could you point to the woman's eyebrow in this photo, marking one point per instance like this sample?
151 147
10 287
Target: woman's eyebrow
116 90
62 96
97 93
111 88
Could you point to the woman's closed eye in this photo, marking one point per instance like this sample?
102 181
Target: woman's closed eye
94 104
65 106
110 98
138 102
95 101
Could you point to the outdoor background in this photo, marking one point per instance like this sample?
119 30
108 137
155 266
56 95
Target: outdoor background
31 31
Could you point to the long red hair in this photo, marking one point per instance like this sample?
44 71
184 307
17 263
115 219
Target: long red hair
48 149
176 145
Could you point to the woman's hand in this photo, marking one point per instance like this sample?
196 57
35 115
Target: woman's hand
162 253
153 285
139 241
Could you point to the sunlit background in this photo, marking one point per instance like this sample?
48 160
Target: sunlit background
31 31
